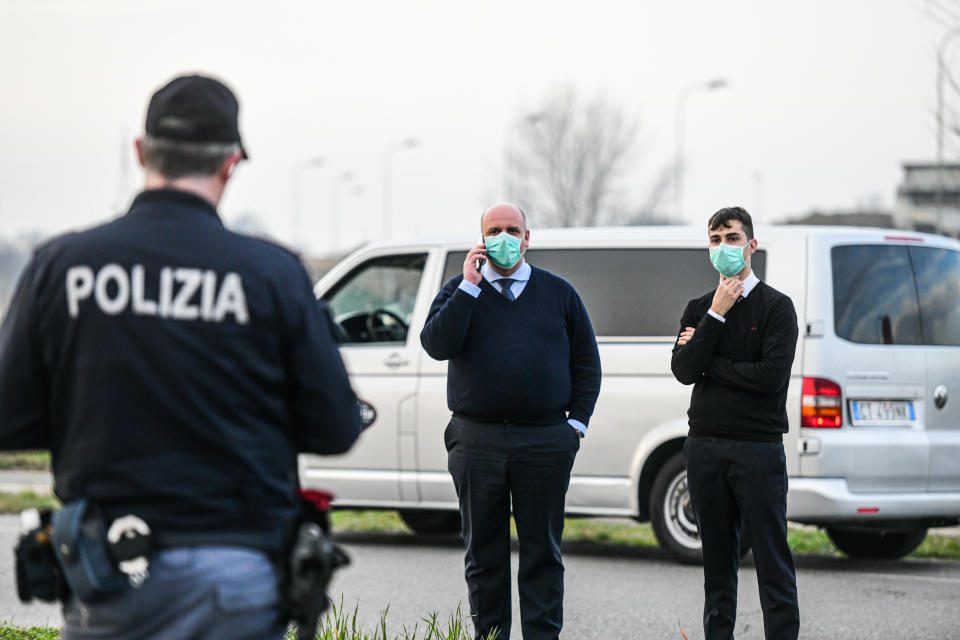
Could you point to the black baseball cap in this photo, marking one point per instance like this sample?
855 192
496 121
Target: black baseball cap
194 108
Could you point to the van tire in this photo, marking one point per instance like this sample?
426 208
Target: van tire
886 545
667 534
431 522
671 514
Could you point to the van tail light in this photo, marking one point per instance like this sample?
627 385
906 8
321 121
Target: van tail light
822 404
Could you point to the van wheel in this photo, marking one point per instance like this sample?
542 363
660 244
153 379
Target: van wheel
858 543
429 522
671 512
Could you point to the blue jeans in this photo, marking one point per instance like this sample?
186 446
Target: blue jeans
217 593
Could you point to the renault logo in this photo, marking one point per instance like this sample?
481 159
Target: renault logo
940 396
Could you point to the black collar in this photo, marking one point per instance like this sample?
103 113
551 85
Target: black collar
173 196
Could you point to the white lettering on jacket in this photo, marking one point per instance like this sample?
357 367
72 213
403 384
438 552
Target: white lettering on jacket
184 293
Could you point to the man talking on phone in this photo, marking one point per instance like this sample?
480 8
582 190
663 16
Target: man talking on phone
523 379
736 346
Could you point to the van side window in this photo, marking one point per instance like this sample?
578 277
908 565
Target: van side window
374 302
629 293
874 295
938 282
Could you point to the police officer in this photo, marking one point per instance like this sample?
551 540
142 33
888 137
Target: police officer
174 369
523 380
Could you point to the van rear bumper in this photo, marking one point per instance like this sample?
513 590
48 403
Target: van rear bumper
816 500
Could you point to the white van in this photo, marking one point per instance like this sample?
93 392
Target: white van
873 450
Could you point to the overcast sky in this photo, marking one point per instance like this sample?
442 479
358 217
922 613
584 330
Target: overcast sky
826 99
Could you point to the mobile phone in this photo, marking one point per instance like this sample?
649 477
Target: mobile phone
479 261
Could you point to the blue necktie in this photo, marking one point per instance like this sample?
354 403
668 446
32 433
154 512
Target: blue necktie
505 284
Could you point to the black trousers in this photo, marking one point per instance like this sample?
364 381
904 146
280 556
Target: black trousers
730 481
494 464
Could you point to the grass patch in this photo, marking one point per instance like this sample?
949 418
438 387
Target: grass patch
943 547
10 632
807 540
627 533
801 539
17 502
25 461
340 623
374 521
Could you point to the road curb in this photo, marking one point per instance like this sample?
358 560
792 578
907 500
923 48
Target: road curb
36 482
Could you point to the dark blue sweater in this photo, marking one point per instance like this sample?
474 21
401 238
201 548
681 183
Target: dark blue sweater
533 360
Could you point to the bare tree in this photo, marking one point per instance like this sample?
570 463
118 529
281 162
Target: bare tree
14 255
946 13
567 163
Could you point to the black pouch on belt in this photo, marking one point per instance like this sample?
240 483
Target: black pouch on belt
38 573
312 562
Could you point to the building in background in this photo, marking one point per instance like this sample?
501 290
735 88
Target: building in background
857 218
928 199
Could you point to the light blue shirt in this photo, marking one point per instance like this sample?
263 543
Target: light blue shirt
521 276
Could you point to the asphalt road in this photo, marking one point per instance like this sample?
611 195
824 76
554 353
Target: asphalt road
616 592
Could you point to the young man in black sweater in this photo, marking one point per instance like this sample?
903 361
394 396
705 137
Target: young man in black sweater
736 346
523 379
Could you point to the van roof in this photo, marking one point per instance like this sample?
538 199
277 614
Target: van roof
676 235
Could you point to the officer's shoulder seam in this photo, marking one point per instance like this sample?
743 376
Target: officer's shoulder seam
45 248
270 244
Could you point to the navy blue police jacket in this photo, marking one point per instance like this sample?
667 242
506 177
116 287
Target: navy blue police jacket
174 369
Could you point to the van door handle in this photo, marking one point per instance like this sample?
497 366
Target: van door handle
396 360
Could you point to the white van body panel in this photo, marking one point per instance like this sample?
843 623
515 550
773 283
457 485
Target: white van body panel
400 462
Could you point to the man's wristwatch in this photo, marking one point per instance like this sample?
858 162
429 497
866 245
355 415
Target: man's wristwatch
579 433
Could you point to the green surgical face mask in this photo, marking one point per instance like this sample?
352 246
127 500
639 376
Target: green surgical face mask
503 249
728 259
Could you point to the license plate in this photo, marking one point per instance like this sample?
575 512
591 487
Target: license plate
881 412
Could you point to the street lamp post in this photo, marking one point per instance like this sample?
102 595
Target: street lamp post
710 85
343 179
296 189
386 191
944 41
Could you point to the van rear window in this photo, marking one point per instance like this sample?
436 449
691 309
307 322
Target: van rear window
628 292
938 284
894 294
874 296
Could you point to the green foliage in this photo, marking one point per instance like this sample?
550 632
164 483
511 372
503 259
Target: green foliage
802 539
942 547
10 632
340 623
378 521
25 460
17 502
626 533
810 540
